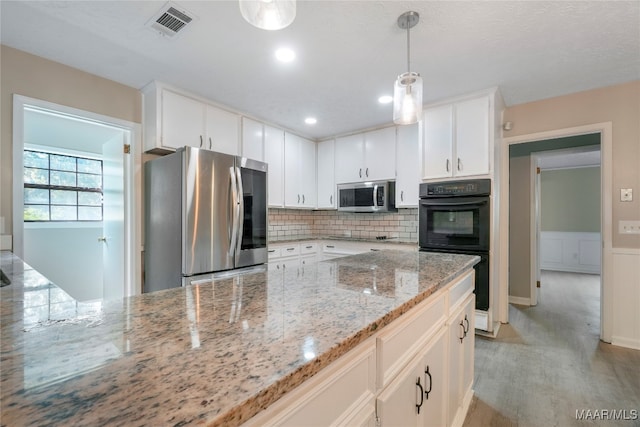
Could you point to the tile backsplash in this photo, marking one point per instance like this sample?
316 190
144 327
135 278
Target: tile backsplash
293 223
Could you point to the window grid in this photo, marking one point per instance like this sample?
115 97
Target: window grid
79 190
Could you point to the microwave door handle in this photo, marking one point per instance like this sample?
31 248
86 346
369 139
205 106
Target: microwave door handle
375 196
240 221
234 208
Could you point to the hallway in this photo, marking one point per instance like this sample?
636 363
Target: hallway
548 363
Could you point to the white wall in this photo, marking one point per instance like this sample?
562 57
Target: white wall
70 257
570 251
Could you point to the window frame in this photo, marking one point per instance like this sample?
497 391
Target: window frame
77 189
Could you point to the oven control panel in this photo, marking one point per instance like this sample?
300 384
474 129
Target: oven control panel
476 187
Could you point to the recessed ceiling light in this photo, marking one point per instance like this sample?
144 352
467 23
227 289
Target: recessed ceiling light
385 99
284 54
311 120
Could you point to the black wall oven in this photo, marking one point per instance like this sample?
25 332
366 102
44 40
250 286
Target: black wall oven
455 217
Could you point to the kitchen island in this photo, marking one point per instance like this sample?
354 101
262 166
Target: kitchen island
215 353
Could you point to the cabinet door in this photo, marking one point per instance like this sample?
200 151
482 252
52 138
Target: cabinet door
408 166
380 154
307 172
472 137
274 155
416 397
326 177
461 341
252 139
292 184
438 142
222 130
468 354
349 159
182 120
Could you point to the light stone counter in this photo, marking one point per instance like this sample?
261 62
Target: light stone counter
209 354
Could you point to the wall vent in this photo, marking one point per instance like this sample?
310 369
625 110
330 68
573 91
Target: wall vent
170 20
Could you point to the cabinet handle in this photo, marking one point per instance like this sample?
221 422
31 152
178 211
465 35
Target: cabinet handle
374 250
290 249
298 199
459 164
308 247
360 173
447 165
278 266
200 141
466 320
402 195
303 199
209 143
330 246
464 333
427 374
331 199
366 173
419 405
271 250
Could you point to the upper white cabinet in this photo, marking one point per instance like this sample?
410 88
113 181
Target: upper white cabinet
274 156
457 139
299 172
326 175
174 119
252 139
368 156
408 166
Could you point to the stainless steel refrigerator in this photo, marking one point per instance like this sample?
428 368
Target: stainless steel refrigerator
205 212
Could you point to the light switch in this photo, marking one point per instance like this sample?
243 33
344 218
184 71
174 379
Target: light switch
626 194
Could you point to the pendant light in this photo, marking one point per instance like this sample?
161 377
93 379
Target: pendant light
407 90
268 14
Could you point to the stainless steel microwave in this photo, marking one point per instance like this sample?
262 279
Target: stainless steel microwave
376 196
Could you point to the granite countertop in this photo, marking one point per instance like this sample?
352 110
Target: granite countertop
215 353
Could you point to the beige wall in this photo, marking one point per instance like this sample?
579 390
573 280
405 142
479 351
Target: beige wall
619 105
36 77
519 219
570 200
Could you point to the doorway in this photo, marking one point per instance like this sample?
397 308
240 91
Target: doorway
601 132
81 236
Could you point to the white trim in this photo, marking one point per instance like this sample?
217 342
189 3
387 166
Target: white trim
606 142
625 251
132 135
519 300
534 227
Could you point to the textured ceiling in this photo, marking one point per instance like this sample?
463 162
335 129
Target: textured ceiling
348 52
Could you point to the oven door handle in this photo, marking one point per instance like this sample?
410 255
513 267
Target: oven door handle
441 203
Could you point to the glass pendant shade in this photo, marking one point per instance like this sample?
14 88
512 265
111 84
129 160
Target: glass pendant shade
268 14
407 99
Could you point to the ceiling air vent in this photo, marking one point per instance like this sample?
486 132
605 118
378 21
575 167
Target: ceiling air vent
170 20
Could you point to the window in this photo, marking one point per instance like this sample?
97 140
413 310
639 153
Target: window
59 187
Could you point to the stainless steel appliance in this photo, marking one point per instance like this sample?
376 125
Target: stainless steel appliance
374 196
205 212
455 217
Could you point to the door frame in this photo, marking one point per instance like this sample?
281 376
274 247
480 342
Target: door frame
132 185
606 226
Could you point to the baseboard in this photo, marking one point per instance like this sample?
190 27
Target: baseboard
461 415
6 242
519 300
492 334
625 342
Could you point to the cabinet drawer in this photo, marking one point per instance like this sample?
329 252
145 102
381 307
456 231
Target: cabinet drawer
332 397
274 252
308 248
459 291
398 344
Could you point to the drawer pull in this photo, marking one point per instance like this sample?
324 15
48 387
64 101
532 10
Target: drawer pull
271 250
427 374
466 328
330 246
290 249
464 332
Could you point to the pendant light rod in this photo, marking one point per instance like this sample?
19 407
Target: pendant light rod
407 21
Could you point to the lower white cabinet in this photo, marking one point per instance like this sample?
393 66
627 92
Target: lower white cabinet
460 328
416 397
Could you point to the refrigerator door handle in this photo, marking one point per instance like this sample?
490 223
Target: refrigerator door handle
239 223
234 207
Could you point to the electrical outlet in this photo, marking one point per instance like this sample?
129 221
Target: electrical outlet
629 227
626 194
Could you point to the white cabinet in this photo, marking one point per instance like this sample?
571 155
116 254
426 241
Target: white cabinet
274 156
222 130
299 172
417 396
174 118
326 175
457 139
368 156
408 166
252 139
